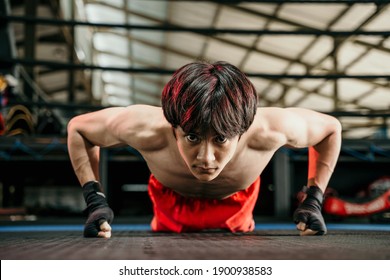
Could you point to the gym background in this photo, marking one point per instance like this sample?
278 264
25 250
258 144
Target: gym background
63 58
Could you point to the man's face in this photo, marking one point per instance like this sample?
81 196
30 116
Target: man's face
205 155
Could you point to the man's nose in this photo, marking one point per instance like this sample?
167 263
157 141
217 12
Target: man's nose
206 153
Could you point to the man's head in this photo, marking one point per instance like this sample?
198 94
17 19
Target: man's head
203 96
209 106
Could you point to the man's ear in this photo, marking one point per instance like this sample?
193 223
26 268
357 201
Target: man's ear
174 132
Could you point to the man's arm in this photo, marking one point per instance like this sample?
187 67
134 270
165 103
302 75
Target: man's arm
324 143
89 132
86 134
138 126
304 128
321 134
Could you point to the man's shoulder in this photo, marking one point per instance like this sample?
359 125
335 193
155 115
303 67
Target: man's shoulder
143 109
143 126
266 132
270 111
144 114
147 117
275 117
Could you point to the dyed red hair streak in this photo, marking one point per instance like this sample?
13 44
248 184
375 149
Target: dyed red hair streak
202 96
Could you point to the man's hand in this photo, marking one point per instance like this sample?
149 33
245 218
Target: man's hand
97 224
100 214
308 216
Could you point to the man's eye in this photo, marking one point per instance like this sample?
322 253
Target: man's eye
192 138
221 139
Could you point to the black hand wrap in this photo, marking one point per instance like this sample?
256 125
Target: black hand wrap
97 209
309 211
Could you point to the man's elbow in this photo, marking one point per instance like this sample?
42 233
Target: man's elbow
73 125
337 128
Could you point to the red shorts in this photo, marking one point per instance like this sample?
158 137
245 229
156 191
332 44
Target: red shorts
176 213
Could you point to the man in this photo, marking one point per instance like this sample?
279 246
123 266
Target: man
205 148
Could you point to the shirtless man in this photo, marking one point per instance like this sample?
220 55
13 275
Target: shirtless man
206 148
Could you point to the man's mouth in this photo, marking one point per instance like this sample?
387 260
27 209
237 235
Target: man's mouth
206 170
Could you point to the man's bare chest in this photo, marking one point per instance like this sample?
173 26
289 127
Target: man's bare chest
238 175
169 167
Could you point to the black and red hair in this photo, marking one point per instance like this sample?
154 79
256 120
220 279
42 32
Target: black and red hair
203 96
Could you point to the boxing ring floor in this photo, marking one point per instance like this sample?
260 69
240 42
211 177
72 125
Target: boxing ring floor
135 241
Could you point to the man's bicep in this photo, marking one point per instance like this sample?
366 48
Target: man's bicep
96 127
137 126
307 128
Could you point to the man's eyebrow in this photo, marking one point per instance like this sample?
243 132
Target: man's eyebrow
194 132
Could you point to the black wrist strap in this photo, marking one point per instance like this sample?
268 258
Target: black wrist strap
314 192
92 187
93 196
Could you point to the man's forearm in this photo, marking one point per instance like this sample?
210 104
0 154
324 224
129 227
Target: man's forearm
84 158
322 160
